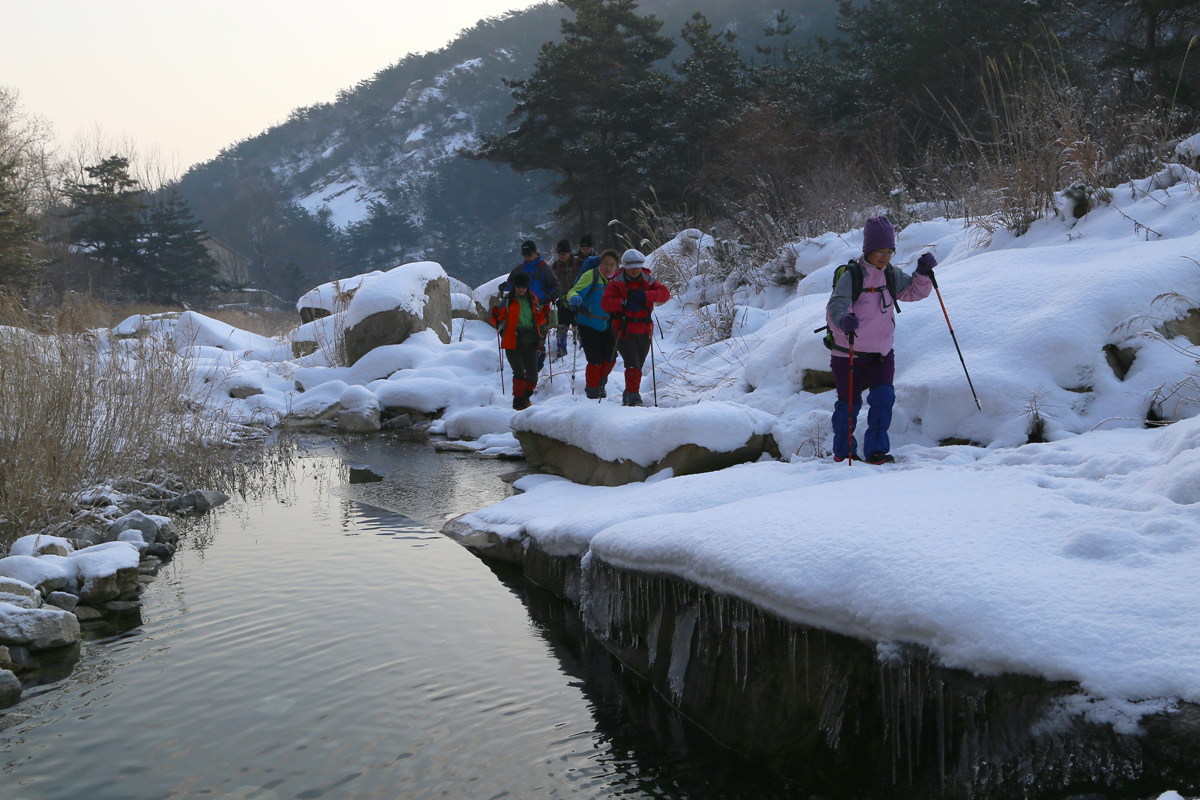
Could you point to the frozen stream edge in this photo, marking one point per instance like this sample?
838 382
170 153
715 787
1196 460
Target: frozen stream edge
847 717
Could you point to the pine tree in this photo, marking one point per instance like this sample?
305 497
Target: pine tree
18 267
106 217
176 267
715 80
595 112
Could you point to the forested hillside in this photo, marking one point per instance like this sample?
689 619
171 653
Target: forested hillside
758 121
376 174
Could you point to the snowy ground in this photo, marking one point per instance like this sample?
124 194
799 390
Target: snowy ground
1073 559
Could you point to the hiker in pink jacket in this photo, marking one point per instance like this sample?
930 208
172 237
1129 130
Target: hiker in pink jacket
863 306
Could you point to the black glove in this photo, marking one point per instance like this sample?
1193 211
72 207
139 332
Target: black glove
925 264
635 300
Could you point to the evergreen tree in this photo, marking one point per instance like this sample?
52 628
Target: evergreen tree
176 266
595 113
715 81
1153 41
918 59
18 267
106 217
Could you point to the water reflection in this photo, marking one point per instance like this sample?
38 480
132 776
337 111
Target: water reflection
319 639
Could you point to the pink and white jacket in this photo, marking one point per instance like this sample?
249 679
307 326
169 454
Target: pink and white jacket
875 308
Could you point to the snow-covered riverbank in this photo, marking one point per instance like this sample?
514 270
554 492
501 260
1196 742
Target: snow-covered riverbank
1067 559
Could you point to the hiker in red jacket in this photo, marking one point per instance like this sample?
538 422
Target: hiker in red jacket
524 327
630 298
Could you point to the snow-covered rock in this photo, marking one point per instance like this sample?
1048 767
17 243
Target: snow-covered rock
605 445
387 309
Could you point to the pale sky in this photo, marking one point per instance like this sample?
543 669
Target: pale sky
183 81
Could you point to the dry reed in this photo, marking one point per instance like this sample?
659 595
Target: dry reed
79 410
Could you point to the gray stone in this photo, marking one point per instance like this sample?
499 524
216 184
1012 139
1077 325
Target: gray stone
14 587
308 313
87 613
6 661
21 600
87 534
400 420
10 688
64 600
161 551
20 659
486 544
134 521
39 629
1120 359
242 392
98 589
364 421
197 502
396 325
50 576
167 534
546 454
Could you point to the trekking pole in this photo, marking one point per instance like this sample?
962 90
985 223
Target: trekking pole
955 338
500 358
549 360
850 405
574 354
653 372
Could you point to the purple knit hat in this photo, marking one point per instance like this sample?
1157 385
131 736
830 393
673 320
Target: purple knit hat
878 234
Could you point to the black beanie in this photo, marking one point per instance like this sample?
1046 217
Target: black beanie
521 279
528 248
564 246
585 240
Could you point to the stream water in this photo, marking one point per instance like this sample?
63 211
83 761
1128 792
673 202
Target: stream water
322 640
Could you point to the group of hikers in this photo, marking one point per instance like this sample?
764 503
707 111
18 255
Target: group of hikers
611 303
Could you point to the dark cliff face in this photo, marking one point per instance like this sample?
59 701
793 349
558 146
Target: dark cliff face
394 140
847 718
843 718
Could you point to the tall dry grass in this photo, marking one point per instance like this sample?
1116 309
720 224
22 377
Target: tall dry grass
79 410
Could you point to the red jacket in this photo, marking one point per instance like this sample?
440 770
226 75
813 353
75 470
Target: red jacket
626 322
510 313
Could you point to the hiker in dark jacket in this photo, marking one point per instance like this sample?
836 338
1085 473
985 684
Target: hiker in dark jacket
593 322
542 280
584 252
630 298
871 319
565 270
522 322
543 284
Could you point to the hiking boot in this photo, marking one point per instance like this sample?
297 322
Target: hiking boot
603 392
880 458
592 392
521 403
852 456
631 399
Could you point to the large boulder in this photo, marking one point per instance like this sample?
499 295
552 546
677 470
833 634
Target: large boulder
391 307
547 454
608 445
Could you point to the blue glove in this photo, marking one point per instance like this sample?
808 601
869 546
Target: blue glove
849 323
635 300
575 301
925 264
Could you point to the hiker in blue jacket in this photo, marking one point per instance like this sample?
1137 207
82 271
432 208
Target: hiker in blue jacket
593 323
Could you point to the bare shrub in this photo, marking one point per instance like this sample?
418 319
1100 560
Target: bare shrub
78 411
